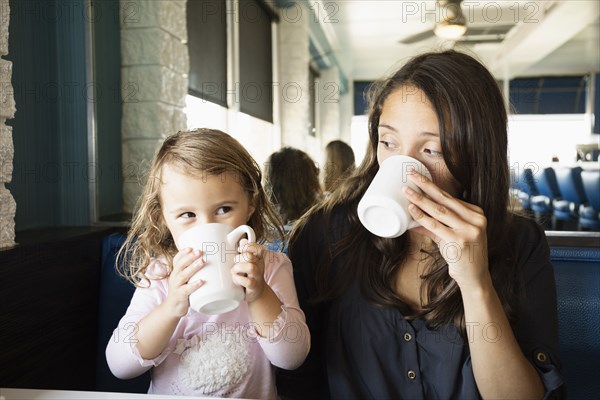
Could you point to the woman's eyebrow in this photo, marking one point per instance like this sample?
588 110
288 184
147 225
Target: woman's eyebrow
388 127
424 133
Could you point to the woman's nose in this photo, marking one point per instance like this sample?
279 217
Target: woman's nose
409 152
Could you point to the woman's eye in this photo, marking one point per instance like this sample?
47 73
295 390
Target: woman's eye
187 215
223 210
433 153
387 145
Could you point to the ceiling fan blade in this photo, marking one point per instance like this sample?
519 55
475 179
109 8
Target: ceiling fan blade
417 37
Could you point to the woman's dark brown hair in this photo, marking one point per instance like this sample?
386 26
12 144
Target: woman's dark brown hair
292 182
473 133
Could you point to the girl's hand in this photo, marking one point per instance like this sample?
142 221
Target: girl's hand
249 269
185 264
457 227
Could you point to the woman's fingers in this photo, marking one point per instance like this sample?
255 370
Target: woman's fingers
439 213
437 228
440 202
445 217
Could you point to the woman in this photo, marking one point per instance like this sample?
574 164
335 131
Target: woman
463 306
339 164
291 181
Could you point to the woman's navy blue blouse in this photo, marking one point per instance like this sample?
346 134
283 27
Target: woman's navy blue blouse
362 351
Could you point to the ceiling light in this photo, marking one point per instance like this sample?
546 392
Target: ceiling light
450 30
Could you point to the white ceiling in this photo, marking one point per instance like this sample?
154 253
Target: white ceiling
548 37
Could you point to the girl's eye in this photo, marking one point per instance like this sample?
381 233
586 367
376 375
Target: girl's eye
223 210
187 215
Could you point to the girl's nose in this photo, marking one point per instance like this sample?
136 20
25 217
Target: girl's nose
205 219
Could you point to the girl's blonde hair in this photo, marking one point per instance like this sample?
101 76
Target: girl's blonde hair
199 153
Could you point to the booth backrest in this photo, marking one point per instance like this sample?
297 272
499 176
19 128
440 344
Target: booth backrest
115 296
591 185
577 273
546 184
526 182
570 184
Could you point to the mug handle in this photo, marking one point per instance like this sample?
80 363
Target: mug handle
413 224
236 235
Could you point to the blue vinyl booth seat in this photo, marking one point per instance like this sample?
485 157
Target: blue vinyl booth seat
549 193
525 186
115 296
577 274
573 195
589 215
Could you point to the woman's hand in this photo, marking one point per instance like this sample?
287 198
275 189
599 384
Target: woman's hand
457 227
249 269
185 264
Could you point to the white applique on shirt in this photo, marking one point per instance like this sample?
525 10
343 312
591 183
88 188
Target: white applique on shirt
213 361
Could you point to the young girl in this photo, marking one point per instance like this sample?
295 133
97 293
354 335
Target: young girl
199 177
462 307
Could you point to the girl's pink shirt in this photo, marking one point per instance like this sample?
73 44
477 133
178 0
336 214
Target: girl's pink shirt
215 355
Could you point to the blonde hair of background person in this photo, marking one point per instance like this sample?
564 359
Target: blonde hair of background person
463 306
339 164
200 177
292 182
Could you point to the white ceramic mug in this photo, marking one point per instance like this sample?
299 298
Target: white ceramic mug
218 243
383 209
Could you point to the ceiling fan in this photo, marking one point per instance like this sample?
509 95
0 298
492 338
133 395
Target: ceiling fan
451 24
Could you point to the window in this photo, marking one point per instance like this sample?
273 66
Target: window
255 89
549 95
207 47
360 102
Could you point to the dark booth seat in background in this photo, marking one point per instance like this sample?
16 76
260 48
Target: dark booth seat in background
53 338
577 273
589 216
572 192
542 205
526 188
115 296
48 308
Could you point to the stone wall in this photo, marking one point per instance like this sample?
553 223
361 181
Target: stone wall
8 206
328 98
293 88
155 64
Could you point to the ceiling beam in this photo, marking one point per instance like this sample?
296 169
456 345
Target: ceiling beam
537 37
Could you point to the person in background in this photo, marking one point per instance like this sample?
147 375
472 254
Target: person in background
462 306
339 164
291 180
200 177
